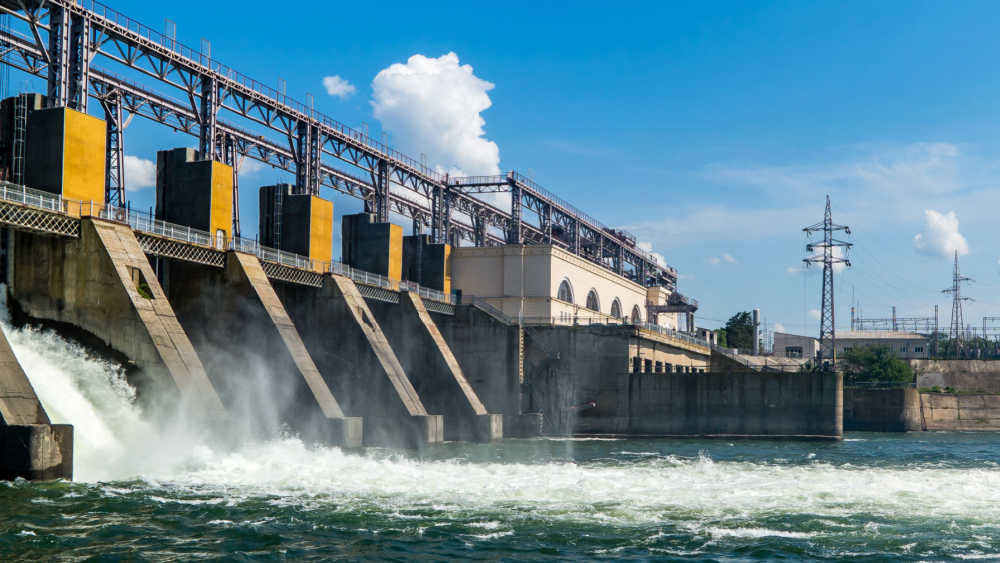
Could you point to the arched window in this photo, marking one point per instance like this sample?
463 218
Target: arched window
636 315
565 292
593 303
616 308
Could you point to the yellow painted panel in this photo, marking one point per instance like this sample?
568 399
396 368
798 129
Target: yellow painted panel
395 252
83 158
320 229
221 217
447 269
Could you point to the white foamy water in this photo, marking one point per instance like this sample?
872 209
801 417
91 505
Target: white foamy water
628 494
714 499
112 440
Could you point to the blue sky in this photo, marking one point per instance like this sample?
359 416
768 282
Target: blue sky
712 130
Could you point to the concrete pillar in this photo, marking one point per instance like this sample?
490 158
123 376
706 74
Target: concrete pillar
30 445
65 155
426 263
354 356
195 193
254 354
373 247
434 372
101 285
299 223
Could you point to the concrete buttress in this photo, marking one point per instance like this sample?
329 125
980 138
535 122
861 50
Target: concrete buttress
253 350
102 284
356 359
30 445
435 372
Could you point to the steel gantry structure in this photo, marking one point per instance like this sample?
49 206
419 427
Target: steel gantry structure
236 117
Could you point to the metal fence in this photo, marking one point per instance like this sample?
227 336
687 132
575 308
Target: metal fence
15 193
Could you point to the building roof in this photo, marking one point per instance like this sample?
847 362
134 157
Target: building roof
879 335
864 335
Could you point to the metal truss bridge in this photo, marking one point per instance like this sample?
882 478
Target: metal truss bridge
60 40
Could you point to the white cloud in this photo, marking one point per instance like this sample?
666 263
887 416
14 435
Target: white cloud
432 106
778 327
648 247
814 314
940 236
869 185
139 173
250 167
725 258
337 86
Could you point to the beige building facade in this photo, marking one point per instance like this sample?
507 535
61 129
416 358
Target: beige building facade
548 285
905 345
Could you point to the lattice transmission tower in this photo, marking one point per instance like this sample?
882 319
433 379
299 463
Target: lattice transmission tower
825 253
956 332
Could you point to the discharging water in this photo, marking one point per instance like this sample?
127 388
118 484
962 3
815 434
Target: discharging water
167 495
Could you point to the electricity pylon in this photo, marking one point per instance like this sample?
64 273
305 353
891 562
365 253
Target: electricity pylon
957 322
827 322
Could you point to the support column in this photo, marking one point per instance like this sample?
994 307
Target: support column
547 223
114 169
382 192
209 109
57 94
515 235
233 160
479 230
79 63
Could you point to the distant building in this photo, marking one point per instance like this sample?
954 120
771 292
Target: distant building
905 345
795 346
548 285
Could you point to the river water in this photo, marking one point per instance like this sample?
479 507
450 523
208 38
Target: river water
144 493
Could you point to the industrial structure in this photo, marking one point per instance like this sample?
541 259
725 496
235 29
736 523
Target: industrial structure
548 322
826 254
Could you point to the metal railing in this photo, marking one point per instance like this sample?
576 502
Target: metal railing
766 363
146 223
486 307
15 193
673 333
269 254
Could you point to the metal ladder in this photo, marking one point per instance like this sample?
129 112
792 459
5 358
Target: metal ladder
20 130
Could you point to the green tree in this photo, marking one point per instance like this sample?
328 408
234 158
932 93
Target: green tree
739 331
874 363
720 337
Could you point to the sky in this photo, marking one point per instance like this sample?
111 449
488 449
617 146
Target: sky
712 130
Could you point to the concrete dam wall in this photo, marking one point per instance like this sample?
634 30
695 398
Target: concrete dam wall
578 378
710 405
982 376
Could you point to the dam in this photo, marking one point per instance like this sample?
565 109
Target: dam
494 318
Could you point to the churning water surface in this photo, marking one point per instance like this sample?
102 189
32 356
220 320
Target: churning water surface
156 494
